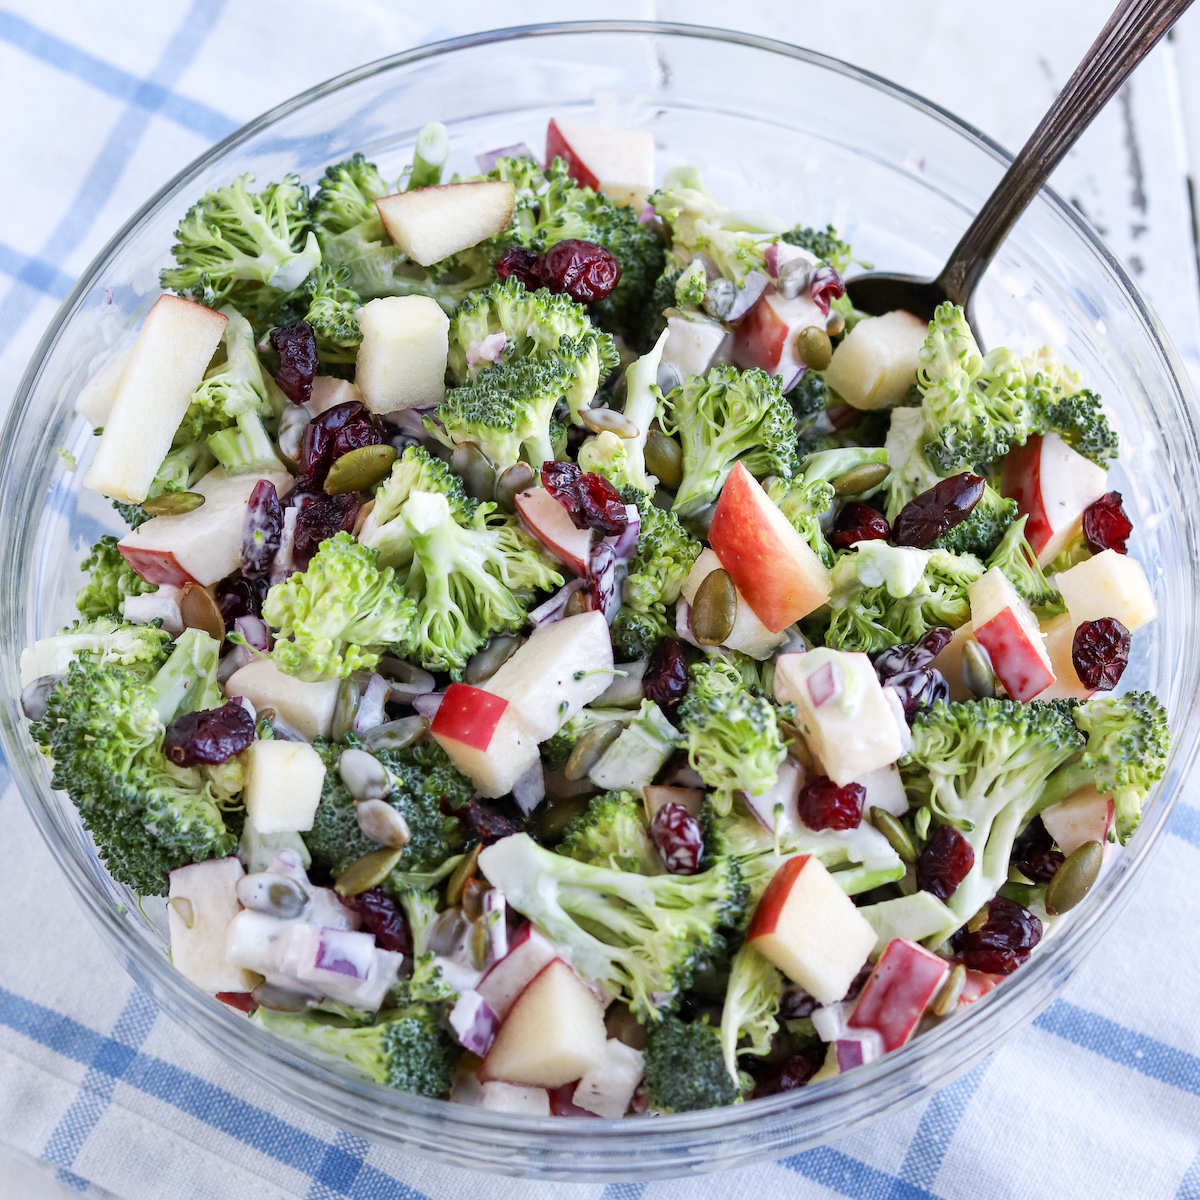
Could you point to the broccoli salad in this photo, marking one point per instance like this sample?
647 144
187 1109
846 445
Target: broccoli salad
564 659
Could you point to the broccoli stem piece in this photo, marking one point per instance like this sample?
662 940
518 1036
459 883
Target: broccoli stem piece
429 156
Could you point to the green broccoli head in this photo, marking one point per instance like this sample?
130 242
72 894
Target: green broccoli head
233 387
749 1016
1016 559
726 417
339 615
636 632
824 243
685 1067
1077 417
110 580
109 642
332 313
248 249
980 534
612 833
664 559
345 198
732 735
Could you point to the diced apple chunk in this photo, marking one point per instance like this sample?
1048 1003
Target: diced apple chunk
98 395
917 917
607 1088
1108 585
402 359
306 707
201 905
694 343
899 990
656 796
177 340
509 976
749 635
553 1034
810 929
283 785
876 362
949 662
766 336
551 524
1087 816
328 391
617 162
1006 628
1060 636
431 223
484 738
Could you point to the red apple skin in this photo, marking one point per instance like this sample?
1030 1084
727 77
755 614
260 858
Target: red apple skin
904 982
468 715
156 566
1017 666
528 953
562 1103
760 338
774 898
978 984
1021 481
551 524
769 562
558 147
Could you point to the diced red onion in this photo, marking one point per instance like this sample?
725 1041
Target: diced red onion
370 707
602 592
345 953
825 285
495 914
255 630
793 642
624 544
530 790
487 160
473 1023
486 350
285 557
683 623
647 215
552 610
428 704
822 685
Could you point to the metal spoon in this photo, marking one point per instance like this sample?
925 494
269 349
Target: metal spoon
1132 31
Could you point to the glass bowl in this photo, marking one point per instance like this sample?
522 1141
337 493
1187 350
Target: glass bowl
776 128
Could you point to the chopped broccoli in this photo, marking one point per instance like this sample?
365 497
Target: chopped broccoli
422 776
557 750
103 731
685 1067
108 641
824 243
406 1049
110 580
665 554
748 1018
339 615
1016 559
732 735
251 250
983 530
635 633
726 417
1061 405
333 314
641 936
886 595
690 285
428 982
612 833
605 454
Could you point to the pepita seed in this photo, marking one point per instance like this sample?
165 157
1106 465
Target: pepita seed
35 696
183 910
608 420
199 610
518 478
171 504
382 823
396 735
275 895
369 871
270 995
590 748
814 347
576 603
359 469
464 870
836 325
947 999
861 479
365 777
475 469
719 298
977 675
664 458
490 659
897 836
345 709
625 691
554 818
1074 878
797 747
714 609
978 921
793 278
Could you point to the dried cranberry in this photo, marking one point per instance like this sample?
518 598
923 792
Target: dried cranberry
825 285
665 680
382 917
600 586
211 736
1004 940
296 346
823 805
238 596
944 863
585 271
591 501
919 690
677 837
321 519
337 431
1105 525
487 822
796 1004
1100 653
926 517
794 1072
899 660
523 264
1033 853
262 530
858 522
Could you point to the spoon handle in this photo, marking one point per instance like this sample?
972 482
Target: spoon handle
1132 31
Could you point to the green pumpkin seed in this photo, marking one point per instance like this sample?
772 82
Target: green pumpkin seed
1074 878
861 479
977 674
464 869
814 347
897 836
198 610
714 609
345 709
554 818
836 325
269 995
360 469
396 735
608 420
797 747
369 871
475 469
590 748
518 478
664 458
576 603
170 504
947 999
490 659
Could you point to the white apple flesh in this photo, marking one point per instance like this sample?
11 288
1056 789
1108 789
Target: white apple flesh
1108 585
305 707
551 524
201 905
876 362
431 223
283 785
1087 816
617 162
484 738
766 336
509 976
607 1088
694 343
749 635
1060 637
402 360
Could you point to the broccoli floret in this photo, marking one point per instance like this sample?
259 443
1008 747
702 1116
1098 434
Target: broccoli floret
1071 555
605 454
726 417
468 581
557 750
428 982
538 325
748 1018
103 731
251 250
685 1067
612 833
183 467
422 776
636 633
1016 559
980 766
886 595
110 580
1061 405
333 314
108 641
339 615
406 1049
733 740
983 530
1125 755
690 285
824 243
665 554
641 936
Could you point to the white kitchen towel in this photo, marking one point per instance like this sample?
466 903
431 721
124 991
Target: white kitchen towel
99 104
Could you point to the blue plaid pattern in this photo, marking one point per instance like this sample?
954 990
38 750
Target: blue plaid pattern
139 1066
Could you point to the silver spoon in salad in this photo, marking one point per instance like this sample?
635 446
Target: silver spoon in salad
1133 30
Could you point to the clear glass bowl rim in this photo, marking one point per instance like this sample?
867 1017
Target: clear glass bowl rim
766 1127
